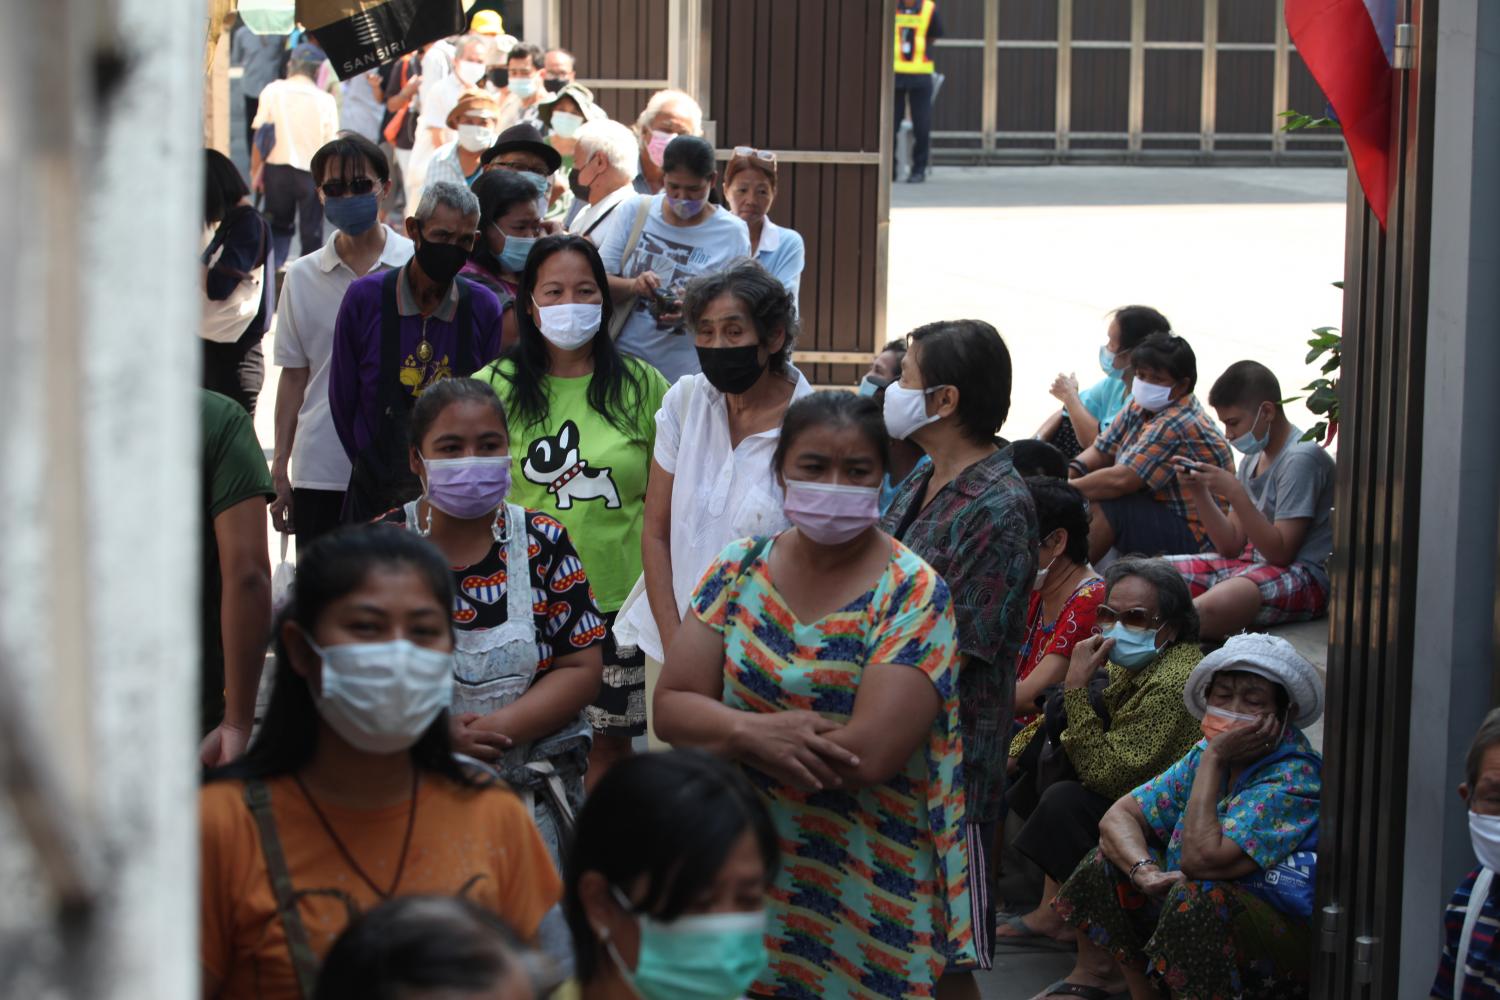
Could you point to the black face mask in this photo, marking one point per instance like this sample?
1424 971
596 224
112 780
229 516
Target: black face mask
732 370
553 86
580 191
441 261
500 77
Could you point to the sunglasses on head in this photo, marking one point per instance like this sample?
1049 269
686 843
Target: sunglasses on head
751 153
1106 616
339 188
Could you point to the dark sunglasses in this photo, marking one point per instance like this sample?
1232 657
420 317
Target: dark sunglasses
338 188
1106 616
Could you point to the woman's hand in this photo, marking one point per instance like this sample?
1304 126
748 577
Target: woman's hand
1088 656
1154 882
645 283
481 744
1064 388
1246 742
791 747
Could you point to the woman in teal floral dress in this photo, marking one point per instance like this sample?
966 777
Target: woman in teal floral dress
823 661
1197 920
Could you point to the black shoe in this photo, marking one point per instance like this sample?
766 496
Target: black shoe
917 177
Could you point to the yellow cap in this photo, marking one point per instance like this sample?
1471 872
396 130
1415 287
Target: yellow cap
487 22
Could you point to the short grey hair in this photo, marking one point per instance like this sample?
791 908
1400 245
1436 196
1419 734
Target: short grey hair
770 305
454 196
1488 736
619 145
1174 602
486 45
663 99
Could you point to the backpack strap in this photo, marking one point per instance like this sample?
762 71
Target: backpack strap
304 961
466 351
622 313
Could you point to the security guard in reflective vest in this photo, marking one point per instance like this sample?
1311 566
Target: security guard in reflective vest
918 25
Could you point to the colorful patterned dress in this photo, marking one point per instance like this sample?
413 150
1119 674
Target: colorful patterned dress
872 896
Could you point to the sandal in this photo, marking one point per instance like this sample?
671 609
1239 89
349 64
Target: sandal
1021 934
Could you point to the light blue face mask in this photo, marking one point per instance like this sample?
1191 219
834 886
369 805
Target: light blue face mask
513 256
713 956
1133 648
541 182
1248 444
1107 362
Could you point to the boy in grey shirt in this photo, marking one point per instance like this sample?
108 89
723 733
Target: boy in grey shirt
1272 546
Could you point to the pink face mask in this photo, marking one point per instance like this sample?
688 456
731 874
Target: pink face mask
828 513
656 147
467 488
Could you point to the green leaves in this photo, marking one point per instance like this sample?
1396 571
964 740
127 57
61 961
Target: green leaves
1294 121
1323 392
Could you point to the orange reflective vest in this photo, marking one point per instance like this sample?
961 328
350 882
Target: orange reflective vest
911 39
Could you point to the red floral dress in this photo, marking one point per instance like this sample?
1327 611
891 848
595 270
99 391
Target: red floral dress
1043 638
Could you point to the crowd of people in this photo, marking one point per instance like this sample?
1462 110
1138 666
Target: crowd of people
559 489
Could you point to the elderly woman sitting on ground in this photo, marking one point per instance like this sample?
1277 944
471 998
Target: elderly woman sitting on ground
1223 909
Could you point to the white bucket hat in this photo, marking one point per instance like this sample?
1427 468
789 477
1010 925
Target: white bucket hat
1268 656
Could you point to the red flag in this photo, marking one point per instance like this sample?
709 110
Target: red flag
1347 44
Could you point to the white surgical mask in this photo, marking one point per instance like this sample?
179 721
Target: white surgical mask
476 138
469 71
1150 397
1484 833
570 326
906 410
566 123
382 696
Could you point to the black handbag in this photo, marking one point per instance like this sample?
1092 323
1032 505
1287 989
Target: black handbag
1045 760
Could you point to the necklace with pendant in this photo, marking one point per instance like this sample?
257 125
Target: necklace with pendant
424 346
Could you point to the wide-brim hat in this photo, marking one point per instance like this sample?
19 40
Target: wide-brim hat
1268 656
582 96
527 138
474 101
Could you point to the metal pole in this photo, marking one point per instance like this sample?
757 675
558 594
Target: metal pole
1137 100
1208 109
989 98
1064 74
1279 82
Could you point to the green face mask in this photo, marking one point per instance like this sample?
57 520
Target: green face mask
714 956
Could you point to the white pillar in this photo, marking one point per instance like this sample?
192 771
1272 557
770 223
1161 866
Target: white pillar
99 446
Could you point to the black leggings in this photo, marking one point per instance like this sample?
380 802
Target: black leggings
1062 828
236 370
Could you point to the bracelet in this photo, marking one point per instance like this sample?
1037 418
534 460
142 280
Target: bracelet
1138 866
1078 467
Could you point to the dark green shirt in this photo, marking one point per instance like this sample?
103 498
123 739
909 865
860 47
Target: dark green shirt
234 470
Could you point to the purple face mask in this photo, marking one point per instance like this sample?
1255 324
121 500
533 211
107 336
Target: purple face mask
467 488
828 513
687 208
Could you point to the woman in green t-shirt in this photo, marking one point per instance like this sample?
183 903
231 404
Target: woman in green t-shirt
582 422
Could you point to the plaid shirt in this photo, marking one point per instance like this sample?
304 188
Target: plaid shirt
980 533
1145 443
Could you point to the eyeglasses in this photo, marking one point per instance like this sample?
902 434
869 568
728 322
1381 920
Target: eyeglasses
1106 616
338 188
751 153
520 168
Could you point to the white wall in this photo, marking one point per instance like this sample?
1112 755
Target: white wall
98 443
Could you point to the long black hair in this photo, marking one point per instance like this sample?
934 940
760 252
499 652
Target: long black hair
332 567
223 187
617 389
419 943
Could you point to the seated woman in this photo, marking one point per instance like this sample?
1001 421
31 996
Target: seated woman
750 190
1087 414
1095 744
1064 598
509 226
429 948
824 661
1130 472
1175 900
350 793
529 646
673 849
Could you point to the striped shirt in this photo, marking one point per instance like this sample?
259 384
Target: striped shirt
1482 975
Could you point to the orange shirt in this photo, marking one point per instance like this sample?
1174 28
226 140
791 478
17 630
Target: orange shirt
480 837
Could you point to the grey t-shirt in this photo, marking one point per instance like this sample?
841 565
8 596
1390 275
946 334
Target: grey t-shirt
676 254
1299 483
